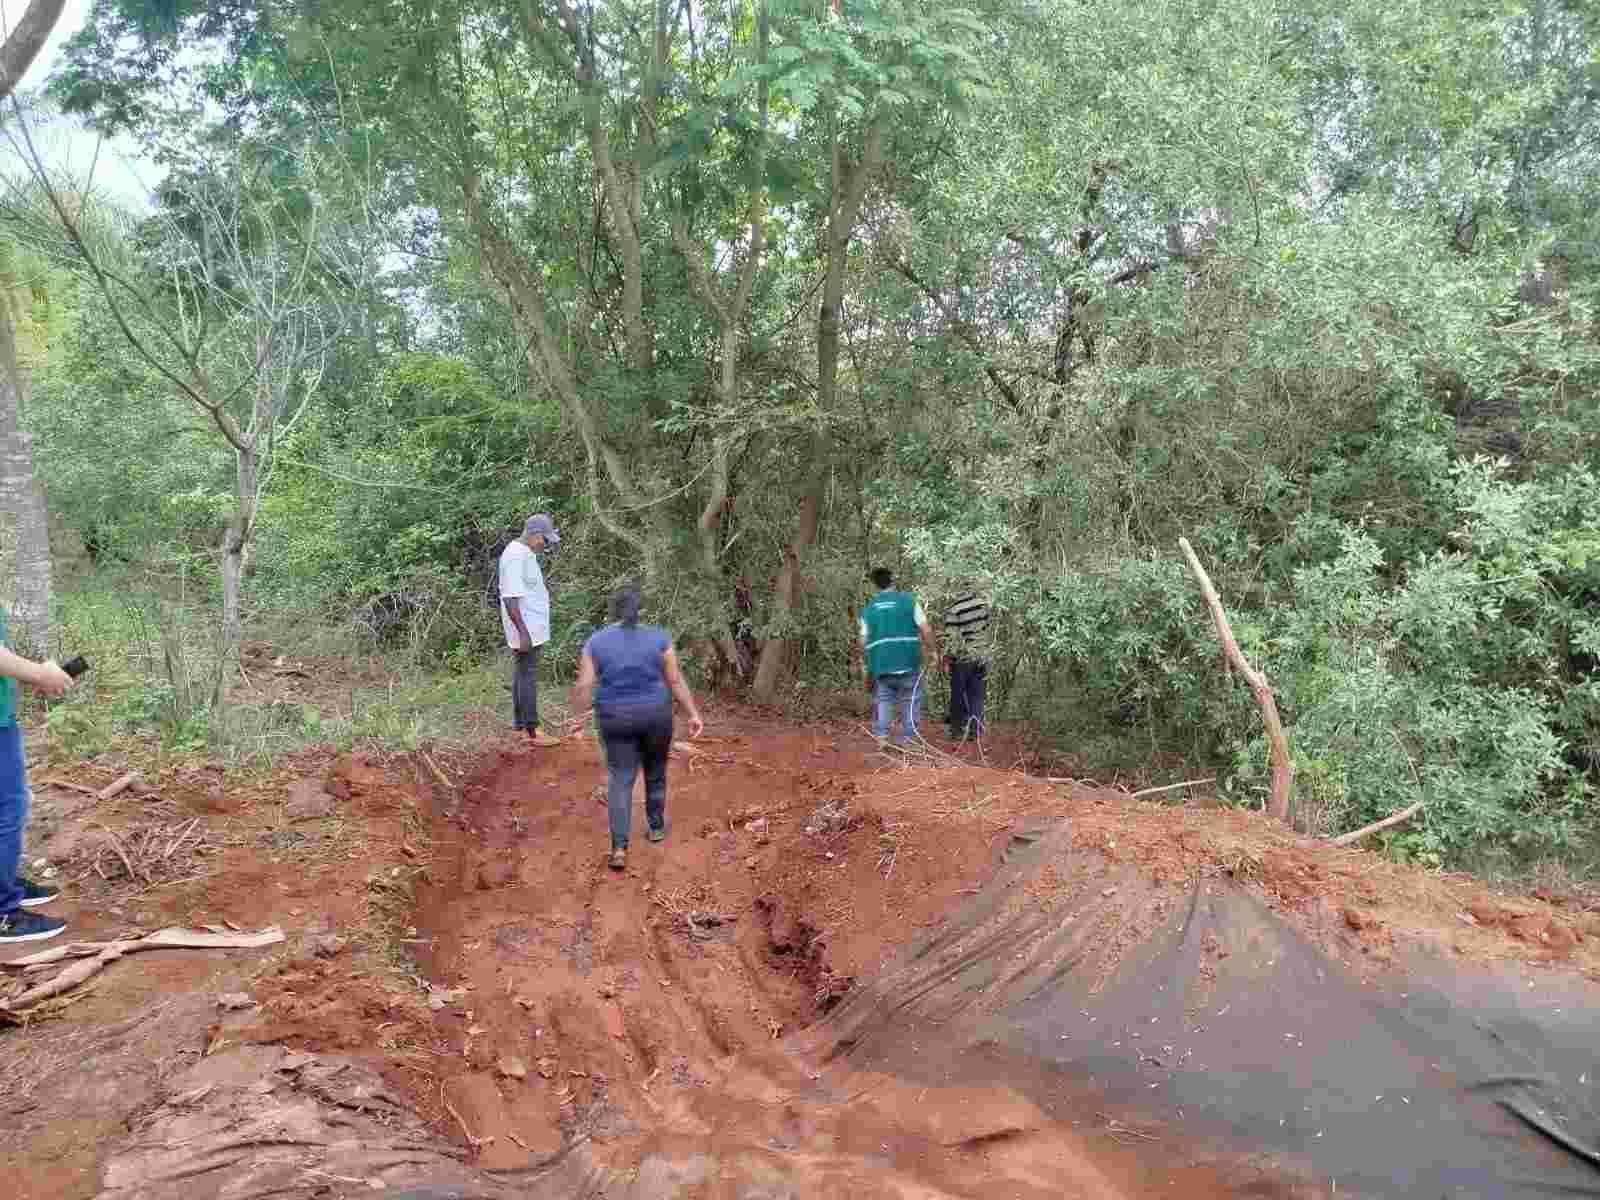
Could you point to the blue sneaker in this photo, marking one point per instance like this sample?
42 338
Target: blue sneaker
28 927
36 894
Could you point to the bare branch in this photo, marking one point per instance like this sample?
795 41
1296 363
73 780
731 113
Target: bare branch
962 329
1282 762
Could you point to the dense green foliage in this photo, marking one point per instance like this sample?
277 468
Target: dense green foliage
1313 285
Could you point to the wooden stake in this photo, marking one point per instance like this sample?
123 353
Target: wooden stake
1282 763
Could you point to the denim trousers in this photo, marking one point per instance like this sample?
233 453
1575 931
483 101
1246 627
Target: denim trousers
634 740
15 801
902 691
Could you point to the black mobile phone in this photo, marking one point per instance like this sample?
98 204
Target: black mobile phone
75 666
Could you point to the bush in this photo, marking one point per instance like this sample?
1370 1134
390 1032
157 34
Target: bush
1447 679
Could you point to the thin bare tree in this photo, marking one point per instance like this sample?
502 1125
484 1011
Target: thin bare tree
236 299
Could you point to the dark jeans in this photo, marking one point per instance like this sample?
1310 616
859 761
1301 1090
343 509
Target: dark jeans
15 800
525 689
969 681
634 739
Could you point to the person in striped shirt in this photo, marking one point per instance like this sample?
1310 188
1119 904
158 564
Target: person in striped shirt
966 625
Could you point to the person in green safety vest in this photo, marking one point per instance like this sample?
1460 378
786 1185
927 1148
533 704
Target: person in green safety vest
895 642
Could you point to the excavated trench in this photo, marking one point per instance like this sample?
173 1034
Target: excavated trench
634 1034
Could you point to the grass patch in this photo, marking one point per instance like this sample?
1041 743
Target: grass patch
300 681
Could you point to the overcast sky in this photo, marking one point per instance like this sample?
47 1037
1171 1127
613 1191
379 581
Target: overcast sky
118 172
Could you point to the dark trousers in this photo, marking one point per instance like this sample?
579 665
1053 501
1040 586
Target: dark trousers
969 683
641 738
525 689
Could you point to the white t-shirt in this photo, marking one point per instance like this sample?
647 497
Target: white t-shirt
520 577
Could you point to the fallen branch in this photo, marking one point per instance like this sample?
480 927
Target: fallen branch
477 1143
148 850
1282 763
1171 787
1405 814
171 938
105 953
121 784
49 1008
127 863
71 787
444 780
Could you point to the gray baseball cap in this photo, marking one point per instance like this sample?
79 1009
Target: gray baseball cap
541 523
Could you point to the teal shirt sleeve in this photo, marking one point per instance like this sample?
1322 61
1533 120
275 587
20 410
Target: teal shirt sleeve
8 685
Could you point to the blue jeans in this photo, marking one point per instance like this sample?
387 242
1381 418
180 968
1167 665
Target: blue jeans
902 691
15 801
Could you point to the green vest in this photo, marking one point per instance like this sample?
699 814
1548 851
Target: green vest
894 644
8 685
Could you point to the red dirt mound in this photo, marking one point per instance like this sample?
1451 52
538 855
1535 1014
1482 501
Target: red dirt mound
469 947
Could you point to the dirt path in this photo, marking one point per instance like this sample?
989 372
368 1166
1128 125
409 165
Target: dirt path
458 949
628 998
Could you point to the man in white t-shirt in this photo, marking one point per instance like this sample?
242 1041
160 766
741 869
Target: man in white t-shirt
525 615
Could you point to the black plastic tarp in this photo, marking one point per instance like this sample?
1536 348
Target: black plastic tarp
1205 1012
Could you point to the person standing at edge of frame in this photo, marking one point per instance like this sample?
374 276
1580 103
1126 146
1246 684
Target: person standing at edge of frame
525 615
630 673
895 639
966 624
18 894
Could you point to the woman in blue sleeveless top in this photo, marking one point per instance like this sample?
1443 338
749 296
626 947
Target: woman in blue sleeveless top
630 672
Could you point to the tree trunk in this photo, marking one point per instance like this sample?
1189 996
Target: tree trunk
775 650
241 527
26 40
707 526
848 192
234 540
507 272
21 495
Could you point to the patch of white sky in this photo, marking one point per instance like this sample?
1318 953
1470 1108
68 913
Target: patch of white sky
115 168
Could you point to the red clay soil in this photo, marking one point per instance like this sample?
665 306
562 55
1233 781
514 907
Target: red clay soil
645 1007
552 999
72 1084
643 1010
